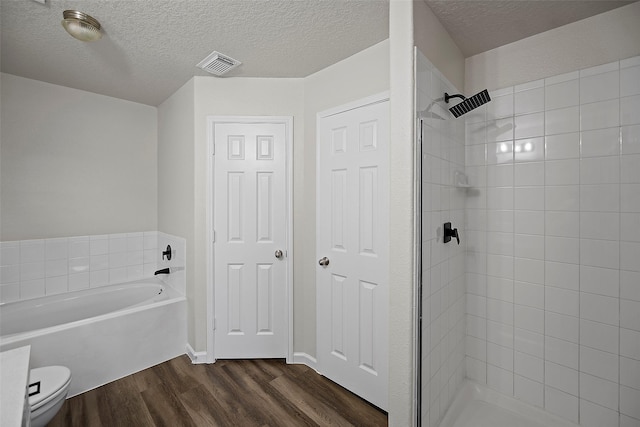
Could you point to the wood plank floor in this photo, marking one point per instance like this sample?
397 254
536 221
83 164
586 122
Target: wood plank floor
226 393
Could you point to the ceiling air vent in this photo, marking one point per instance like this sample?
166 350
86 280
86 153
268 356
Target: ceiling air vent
218 64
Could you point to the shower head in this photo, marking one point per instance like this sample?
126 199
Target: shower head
467 104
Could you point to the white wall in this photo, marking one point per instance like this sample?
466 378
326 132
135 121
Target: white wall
175 180
402 315
593 41
74 163
361 75
553 244
433 40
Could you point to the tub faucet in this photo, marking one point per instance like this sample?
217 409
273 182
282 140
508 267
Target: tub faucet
163 271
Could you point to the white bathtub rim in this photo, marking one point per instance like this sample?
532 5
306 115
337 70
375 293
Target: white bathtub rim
470 390
10 339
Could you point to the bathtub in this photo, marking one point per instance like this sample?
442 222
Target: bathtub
476 405
101 334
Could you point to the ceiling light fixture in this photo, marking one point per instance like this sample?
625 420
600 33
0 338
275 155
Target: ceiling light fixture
81 26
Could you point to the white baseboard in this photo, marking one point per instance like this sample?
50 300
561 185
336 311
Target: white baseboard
196 356
305 359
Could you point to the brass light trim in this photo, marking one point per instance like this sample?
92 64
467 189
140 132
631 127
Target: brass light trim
81 26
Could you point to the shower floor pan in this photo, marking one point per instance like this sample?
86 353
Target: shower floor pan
478 406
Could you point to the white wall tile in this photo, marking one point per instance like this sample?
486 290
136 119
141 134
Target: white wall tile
600 87
98 278
56 267
630 314
528 391
599 115
562 172
500 266
630 168
32 271
601 281
500 130
600 142
56 249
500 220
599 363
626 421
629 256
529 318
32 289
9 253
599 336
593 415
500 333
79 247
573 75
529 101
600 198
500 311
562 223
561 378
10 292
529 366
476 370
117 243
562 198
598 390
563 120
9 274
600 170
99 245
529 222
529 198
56 285
562 95
630 372
527 174
500 175
600 253
31 251
563 146
630 197
529 342
630 137
561 352
562 301
529 270
500 288
562 327
529 125
630 285
630 110
600 225
563 275
562 249
500 380
528 294
529 246
629 399
634 61
500 106
499 356
561 404
599 308
79 281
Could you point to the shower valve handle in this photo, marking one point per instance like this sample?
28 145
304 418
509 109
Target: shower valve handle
449 233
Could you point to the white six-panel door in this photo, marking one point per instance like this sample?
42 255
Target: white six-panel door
352 216
249 222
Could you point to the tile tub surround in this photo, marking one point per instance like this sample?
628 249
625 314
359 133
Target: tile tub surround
553 248
34 268
443 264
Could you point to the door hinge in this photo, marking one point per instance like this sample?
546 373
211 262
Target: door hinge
214 323
214 236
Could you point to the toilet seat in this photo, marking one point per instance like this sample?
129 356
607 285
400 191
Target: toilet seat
53 381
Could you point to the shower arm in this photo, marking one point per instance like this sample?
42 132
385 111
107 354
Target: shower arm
447 97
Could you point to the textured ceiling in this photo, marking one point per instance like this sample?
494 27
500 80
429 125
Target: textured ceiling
480 25
150 47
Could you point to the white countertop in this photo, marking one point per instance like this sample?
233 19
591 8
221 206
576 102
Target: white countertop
14 378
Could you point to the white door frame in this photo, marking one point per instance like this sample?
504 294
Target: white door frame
210 253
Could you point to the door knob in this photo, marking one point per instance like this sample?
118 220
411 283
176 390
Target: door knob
278 254
324 261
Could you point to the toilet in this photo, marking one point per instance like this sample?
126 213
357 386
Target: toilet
48 387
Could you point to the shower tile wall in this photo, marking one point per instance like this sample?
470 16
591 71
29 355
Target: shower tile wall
443 264
553 244
34 268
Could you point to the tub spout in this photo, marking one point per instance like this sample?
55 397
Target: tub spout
163 271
